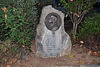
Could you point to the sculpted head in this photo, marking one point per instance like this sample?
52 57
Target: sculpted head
53 21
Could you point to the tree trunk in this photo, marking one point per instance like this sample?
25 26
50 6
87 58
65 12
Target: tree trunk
74 30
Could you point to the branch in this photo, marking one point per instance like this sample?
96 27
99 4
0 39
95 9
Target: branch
71 15
82 15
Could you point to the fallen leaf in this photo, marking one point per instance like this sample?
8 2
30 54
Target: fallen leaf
33 52
81 45
74 45
90 52
23 46
81 42
70 56
12 61
95 53
79 61
82 63
8 66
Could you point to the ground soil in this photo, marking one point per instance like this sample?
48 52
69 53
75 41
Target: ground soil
78 56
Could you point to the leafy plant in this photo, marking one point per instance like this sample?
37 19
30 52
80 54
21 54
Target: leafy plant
90 31
77 10
19 19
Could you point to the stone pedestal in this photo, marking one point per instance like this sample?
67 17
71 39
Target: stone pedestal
51 39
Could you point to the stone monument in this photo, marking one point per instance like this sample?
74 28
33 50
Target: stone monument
51 39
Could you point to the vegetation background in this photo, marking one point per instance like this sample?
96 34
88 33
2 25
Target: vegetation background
19 19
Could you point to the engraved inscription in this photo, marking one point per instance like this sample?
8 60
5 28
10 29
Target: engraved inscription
50 46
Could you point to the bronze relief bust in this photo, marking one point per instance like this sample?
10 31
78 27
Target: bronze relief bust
53 21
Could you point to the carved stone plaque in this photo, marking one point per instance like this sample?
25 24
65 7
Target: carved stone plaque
50 46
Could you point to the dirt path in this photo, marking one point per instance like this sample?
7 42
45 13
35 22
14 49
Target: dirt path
78 56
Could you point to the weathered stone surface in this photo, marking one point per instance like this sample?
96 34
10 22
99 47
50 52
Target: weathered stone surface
51 39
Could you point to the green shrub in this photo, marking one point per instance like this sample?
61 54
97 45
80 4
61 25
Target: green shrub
90 31
90 26
18 19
